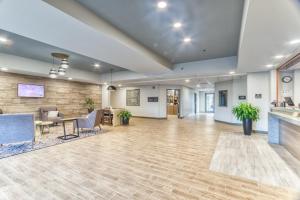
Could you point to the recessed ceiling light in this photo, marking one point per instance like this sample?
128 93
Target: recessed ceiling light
187 39
269 65
187 80
96 65
232 72
198 85
3 40
70 78
177 25
120 85
4 69
162 4
295 41
105 83
279 56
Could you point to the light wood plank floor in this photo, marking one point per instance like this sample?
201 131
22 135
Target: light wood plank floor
253 158
150 159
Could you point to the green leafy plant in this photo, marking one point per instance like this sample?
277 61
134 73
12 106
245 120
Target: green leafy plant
89 103
125 114
246 111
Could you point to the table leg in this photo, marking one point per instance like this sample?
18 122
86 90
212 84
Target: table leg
77 127
65 135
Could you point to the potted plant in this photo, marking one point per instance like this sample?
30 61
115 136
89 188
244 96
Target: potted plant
90 104
125 116
246 113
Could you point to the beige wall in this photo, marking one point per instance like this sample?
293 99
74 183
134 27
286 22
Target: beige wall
68 96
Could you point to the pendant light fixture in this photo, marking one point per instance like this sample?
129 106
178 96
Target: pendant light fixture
53 71
111 87
64 64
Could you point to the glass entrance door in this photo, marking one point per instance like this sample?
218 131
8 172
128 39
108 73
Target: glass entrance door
209 102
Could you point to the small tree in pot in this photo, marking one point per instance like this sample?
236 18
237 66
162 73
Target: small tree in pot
125 115
90 104
246 113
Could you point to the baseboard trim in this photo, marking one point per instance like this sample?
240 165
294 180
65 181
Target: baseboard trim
149 117
235 124
258 131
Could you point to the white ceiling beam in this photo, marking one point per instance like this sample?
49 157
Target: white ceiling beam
38 20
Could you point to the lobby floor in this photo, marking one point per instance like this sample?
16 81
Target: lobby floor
150 159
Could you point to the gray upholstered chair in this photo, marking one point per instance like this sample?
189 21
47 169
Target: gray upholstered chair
44 114
16 128
88 122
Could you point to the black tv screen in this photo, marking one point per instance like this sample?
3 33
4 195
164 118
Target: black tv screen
30 90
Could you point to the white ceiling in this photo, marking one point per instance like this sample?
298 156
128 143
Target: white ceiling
268 27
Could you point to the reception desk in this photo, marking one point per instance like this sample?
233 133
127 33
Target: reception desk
284 129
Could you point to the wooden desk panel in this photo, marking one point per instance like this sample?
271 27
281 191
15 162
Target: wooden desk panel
290 137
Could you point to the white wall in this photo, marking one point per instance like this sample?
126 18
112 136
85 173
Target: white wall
286 89
273 85
297 87
187 101
239 88
224 113
202 101
235 88
105 97
117 99
259 83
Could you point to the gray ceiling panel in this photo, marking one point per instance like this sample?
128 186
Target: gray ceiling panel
213 25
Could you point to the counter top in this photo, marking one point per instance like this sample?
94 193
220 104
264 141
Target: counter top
286 117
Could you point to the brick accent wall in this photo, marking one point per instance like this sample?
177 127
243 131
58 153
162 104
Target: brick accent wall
68 96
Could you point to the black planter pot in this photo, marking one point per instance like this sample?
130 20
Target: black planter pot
247 126
125 121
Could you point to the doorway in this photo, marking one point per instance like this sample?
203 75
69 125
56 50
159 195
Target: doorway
173 104
209 102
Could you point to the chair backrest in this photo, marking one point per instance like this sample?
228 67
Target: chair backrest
106 112
15 128
1 112
91 118
44 112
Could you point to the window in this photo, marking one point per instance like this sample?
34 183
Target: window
223 98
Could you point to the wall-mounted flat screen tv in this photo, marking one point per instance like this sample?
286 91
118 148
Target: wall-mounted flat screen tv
31 90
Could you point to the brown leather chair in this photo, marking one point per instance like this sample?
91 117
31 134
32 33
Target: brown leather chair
98 120
44 114
1 112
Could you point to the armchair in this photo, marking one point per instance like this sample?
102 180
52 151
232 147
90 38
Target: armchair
88 122
44 114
